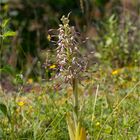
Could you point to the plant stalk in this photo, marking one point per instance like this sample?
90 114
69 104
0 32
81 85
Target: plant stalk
75 95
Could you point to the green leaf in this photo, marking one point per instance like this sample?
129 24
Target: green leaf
5 23
108 129
9 33
4 110
8 69
71 127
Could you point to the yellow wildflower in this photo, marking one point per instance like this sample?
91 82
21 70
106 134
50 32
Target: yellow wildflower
21 103
49 37
30 81
97 124
52 66
115 72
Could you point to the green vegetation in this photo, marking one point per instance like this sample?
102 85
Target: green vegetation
74 76
109 101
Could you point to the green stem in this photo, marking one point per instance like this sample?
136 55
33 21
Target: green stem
75 95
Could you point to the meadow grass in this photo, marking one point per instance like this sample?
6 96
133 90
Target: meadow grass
95 102
109 104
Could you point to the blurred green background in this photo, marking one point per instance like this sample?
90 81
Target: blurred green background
111 26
